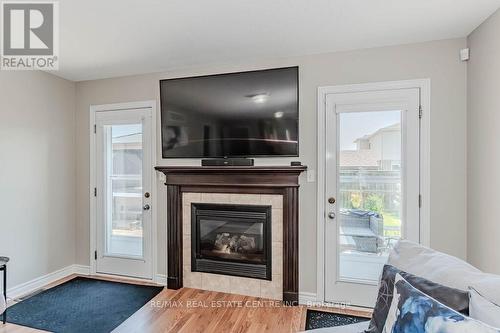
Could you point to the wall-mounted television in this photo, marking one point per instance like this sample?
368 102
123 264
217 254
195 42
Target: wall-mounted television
245 114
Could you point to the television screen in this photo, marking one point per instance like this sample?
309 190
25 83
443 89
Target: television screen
247 114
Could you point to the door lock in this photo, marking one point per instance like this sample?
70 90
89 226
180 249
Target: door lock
147 195
331 200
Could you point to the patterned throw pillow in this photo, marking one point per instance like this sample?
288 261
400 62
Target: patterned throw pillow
456 299
413 311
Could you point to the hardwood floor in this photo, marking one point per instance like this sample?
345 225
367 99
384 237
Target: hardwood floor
193 310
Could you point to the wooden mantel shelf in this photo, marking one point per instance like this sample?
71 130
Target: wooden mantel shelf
273 168
281 180
233 176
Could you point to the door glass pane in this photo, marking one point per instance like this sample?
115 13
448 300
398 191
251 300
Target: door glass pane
369 203
124 190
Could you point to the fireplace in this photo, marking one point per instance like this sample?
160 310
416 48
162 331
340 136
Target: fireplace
277 186
231 240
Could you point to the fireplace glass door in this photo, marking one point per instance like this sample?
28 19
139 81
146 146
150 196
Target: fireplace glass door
231 239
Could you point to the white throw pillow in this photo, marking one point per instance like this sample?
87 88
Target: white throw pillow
482 309
488 285
444 269
433 265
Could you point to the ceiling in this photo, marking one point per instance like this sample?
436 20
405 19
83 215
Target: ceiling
109 38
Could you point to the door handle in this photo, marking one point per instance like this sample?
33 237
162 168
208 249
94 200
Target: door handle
331 215
146 207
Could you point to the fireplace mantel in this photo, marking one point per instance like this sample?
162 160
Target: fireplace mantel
282 180
233 176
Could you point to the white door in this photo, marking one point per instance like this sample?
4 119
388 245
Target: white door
372 187
123 192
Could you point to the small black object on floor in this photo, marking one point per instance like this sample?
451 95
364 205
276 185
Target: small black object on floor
320 319
82 305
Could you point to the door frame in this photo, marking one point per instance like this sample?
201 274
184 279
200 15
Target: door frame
150 104
425 103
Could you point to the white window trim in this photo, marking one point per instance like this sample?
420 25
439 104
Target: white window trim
150 104
425 101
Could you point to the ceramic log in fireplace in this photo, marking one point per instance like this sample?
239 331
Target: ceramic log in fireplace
231 240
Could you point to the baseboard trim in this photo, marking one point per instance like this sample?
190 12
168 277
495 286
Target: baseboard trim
161 279
37 283
81 269
307 298
40 282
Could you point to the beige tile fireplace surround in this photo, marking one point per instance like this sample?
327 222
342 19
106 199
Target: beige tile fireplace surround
232 284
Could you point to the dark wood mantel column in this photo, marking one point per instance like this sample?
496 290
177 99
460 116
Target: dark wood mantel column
283 180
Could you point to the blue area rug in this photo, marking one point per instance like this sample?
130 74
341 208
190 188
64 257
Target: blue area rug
319 319
82 305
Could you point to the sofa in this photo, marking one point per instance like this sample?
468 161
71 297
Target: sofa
450 272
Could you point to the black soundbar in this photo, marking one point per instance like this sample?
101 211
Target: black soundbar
227 162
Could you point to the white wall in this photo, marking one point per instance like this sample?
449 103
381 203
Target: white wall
37 173
484 145
435 60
